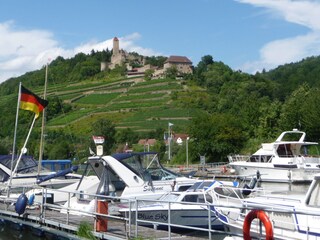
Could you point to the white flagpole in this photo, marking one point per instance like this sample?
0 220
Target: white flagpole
169 154
42 124
14 137
169 140
24 146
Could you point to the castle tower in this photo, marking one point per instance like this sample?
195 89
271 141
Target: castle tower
115 46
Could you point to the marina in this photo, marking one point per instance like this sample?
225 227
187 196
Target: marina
45 219
132 195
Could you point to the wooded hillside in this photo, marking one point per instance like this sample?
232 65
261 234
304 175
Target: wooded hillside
222 110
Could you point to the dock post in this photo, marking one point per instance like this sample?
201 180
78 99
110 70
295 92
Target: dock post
102 222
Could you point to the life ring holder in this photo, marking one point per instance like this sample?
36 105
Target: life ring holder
263 217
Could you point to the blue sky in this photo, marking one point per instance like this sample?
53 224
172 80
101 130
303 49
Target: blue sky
249 35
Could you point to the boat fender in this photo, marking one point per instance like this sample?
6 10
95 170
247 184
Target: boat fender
258 174
246 190
263 217
31 199
21 204
224 169
253 183
289 175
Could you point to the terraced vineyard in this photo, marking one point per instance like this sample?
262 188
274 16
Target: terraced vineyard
129 103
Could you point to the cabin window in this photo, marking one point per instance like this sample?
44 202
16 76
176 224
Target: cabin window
260 158
284 150
312 150
190 198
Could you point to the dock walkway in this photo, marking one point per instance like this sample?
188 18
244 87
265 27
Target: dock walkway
47 219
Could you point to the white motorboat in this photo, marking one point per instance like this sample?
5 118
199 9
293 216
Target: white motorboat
289 159
128 175
27 175
23 171
270 216
185 209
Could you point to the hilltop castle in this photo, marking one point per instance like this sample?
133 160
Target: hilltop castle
120 56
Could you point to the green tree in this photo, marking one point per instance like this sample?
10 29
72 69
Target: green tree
157 61
61 150
171 72
126 136
301 110
201 68
148 74
215 136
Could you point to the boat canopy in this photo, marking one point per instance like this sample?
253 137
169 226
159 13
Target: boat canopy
26 163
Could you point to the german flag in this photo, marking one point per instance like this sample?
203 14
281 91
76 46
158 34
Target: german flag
31 102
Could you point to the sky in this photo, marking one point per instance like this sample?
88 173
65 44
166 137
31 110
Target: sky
246 35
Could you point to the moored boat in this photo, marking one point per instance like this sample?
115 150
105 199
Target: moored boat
185 209
284 216
289 159
27 176
128 175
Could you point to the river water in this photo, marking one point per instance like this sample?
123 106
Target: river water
8 231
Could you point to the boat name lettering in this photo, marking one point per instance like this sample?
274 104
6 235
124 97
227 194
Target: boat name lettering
149 188
158 216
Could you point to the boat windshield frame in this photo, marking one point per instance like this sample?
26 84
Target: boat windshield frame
27 163
146 166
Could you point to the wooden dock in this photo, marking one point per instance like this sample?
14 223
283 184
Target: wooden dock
48 219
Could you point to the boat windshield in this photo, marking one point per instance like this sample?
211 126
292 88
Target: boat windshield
170 197
147 166
26 165
200 185
228 192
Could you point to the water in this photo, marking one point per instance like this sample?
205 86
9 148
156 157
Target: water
10 232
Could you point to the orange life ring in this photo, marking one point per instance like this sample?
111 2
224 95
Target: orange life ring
263 217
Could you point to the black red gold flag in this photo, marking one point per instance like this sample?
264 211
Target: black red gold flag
31 102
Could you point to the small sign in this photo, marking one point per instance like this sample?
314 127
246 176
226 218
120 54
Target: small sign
98 139
202 160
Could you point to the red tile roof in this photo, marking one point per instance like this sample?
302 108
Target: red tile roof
147 141
178 59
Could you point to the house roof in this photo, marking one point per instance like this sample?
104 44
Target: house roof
178 59
180 135
147 141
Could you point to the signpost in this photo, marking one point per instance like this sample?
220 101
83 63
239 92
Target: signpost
98 141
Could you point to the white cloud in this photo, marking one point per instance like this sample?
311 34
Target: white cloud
27 50
281 51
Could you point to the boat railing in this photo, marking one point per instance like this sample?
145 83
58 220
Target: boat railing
196 167
284 216
132 222
135 218
238 158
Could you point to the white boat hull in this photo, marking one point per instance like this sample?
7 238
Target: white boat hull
192 216
269 173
